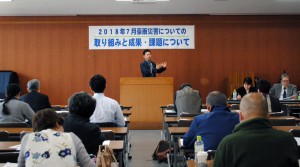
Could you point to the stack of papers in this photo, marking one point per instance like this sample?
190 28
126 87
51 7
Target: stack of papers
170 111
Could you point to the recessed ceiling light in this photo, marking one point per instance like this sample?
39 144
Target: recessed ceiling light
142 0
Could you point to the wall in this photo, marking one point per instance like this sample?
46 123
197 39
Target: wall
55 50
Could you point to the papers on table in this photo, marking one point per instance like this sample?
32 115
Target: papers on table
106 142
204 110
8 164
60 112
298 140
170 111
288 98
17 147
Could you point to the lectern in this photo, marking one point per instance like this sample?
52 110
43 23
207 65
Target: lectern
146 95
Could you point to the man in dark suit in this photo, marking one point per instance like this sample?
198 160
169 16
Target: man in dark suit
263 86
284 90
36 100
149 68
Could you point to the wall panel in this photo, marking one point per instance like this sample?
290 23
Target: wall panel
55 50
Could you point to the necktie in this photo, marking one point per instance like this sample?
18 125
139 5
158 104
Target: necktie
150 64
284 92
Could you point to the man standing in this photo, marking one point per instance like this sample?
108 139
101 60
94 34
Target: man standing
213 126
107 110
149 68
36 100
284 90
254 142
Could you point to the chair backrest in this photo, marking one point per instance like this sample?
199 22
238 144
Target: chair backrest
295 133
283 122
22 134
188 114
108 134
14 124
184 123
107 124
9 157
235 107
274 114
4 136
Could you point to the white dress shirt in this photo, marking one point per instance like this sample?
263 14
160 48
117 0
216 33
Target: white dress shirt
107 110
281 94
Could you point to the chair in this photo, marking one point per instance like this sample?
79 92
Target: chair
9 157
22 134
275 114
184 123
107 124
14 125
188 114
4 136
235 107
283 122
296 133
108 134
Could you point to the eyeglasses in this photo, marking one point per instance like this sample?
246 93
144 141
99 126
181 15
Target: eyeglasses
285 80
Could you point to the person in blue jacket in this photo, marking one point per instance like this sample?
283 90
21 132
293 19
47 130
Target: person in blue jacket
212 126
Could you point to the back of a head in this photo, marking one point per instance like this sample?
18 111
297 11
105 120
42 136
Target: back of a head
46 119
12 90
82 104
263 86
33 84
216 98
254 105
248 80
98 83
185 85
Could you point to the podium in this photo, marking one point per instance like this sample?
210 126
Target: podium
146 95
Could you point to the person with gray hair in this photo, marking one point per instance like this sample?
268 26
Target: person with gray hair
254 142
212 126
36 100
284 90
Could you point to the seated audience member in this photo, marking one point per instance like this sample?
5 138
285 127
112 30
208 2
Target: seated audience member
284 89
107 110
263 86
50 146
13 110
34 98
254 142
246 88
187 100
213 126
81 107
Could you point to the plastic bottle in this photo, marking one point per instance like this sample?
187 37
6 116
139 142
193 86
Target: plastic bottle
199 147
234 95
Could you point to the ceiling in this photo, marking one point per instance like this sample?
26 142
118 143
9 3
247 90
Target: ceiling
109 7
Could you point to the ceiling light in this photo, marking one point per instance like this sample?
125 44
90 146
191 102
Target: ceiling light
142 0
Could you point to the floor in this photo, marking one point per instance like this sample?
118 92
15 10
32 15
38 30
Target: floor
143 144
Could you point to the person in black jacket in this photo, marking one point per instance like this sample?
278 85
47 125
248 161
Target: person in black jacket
246 88
81 107
264 86
36 100
149 68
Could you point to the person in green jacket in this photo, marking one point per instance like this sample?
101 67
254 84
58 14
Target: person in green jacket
254 142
